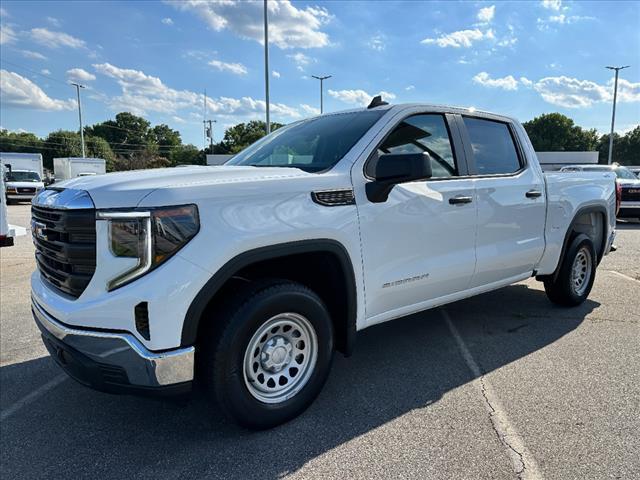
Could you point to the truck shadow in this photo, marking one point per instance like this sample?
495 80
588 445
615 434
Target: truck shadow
397 368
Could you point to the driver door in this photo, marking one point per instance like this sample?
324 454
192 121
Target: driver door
419 245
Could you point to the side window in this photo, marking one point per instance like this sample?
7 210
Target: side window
424 133
493 148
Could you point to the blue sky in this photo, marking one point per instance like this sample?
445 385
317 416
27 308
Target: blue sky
156 58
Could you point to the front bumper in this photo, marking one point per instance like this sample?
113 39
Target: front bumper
115 362
20 196
629 210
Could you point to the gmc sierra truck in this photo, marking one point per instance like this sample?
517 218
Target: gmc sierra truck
245 278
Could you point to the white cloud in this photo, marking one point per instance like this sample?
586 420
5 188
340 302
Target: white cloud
7 35
167 21
359 97
409 88
4 13
505 83
289 26
563 19
570 92
308 110
486 14
301 60
461 38
142 93
275 74
18 91
33 55
377 42
178 119
45 71
52 39
235 68
53 21
526 82
552 4
79 74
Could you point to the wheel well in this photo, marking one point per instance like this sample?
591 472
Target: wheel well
328 272
592 224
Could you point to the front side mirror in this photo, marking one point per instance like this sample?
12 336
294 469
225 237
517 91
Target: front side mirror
391 169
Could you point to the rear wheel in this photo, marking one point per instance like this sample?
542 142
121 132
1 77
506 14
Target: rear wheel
574 281
269 357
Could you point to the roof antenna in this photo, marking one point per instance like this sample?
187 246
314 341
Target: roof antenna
377 102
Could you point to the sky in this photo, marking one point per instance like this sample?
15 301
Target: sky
156 59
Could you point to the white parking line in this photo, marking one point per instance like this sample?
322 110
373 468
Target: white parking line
27 399
626 277
524 465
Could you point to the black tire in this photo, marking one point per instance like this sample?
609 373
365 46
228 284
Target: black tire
562 291
221 361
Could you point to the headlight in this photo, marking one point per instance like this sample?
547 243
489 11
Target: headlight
151 237
11 190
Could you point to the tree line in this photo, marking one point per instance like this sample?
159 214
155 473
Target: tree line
130 142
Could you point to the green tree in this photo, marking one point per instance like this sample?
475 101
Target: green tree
240 136
554 132
187 155
61 143
20 142
97 147
126 134
626 149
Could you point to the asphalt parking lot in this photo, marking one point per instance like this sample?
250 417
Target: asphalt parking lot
504 385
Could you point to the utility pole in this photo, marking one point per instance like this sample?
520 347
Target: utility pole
613 115
266 64
209 132
78 87
322 79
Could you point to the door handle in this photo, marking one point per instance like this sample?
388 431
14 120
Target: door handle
533 194
460 200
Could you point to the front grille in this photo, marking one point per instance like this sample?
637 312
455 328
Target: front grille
65 243
26 190
631 194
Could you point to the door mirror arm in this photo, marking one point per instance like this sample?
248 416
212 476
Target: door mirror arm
391 169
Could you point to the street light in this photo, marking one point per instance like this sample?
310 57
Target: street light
78 87
266 64
322 79
613 115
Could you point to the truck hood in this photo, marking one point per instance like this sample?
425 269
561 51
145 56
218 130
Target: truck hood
127 189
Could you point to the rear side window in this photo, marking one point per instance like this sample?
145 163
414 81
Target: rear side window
493 148
424 133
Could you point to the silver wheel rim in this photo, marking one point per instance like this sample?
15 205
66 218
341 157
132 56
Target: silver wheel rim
280 358
581 271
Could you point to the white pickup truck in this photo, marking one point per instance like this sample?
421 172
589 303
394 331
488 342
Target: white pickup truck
245 278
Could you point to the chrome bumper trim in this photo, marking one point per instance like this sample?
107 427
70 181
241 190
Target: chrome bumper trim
144 368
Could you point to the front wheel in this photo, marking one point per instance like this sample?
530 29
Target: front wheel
269 358
577 273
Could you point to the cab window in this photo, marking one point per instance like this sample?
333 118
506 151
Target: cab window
424 133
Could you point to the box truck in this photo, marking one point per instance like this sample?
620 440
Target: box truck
72 167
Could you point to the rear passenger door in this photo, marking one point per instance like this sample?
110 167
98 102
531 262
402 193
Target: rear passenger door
510 201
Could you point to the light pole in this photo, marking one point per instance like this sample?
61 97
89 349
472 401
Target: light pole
78 87
266 65
613 115
322 79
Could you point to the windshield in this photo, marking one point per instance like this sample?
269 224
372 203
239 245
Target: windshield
23 177
311 145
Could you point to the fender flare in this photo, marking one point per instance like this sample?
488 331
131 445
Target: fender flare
195 311
567 236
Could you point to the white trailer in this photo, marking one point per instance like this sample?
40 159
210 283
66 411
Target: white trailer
72 167
27 162
556 160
